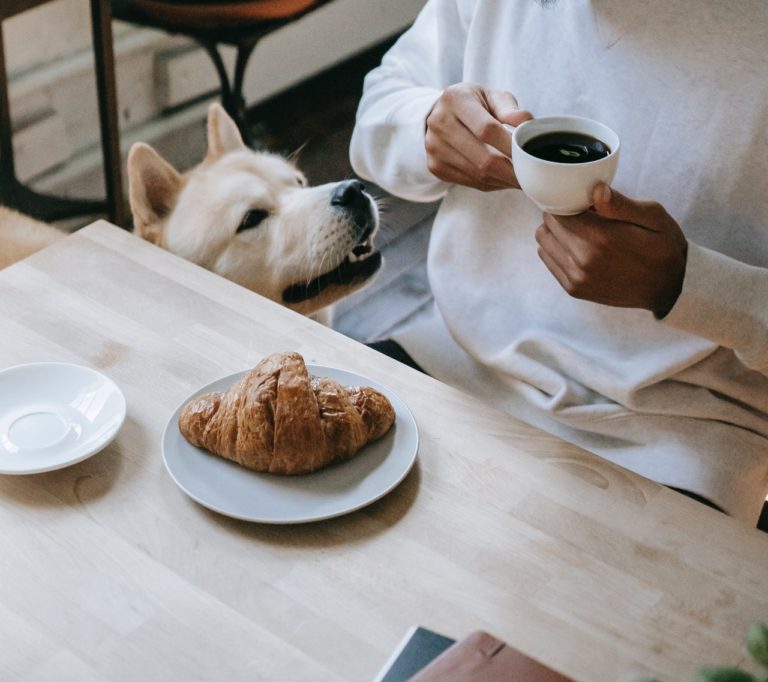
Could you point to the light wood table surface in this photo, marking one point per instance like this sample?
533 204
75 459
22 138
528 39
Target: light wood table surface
108 571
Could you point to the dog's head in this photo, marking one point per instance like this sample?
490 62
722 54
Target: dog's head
250 217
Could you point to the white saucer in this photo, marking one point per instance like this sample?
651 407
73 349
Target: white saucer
53 414
230 489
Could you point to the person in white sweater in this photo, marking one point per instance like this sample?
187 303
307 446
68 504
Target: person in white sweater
638 329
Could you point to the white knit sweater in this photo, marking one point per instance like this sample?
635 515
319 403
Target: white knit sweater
683 400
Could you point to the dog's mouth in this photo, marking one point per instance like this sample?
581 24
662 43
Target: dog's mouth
360 264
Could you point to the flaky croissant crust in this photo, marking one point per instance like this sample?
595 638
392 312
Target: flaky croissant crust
280 419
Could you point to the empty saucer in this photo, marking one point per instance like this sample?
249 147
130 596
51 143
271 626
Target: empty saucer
53 414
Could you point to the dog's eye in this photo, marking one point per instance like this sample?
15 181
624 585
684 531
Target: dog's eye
252 218
301 181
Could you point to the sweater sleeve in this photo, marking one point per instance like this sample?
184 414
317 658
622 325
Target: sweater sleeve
387 144
725 301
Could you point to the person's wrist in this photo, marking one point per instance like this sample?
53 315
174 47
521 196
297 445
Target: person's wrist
673 287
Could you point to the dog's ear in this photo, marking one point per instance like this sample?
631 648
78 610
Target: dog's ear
153 187
223 135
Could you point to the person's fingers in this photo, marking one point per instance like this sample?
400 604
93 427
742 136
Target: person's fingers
503 107
559 260
452 143
608 203
575 235
463 137
489 165
557 272
500 103
457 176
455 173
477 114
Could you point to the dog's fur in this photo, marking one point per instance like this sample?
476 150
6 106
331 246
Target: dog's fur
21 236
245 215
305 251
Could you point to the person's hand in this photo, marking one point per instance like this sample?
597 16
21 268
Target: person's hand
623 252
465 140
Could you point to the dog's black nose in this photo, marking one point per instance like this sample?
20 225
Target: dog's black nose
349 193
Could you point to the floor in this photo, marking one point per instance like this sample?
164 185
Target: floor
317 119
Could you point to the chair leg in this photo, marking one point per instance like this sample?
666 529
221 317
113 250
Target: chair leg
7 164
101 20
13 193
244 51
232 91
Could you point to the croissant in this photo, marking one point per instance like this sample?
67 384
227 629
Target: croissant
280 419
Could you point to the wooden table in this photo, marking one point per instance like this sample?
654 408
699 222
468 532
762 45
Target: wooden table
109 572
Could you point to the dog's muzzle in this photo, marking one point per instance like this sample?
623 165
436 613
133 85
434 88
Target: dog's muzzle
350 197
347 273
362 262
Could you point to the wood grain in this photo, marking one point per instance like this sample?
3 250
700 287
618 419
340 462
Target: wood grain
108 571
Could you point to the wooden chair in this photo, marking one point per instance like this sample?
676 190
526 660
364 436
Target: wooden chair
213 23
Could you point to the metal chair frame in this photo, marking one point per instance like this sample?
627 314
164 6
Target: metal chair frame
17 195
244 38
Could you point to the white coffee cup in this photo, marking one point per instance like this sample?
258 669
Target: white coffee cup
562 188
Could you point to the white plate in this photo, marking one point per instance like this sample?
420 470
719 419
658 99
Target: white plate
233 490
53 414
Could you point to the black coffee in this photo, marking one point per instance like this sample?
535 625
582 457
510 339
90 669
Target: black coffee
564 147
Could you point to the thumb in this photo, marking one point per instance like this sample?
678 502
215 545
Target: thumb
504 108
609 203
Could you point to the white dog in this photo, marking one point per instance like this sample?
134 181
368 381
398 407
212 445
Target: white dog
248 216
